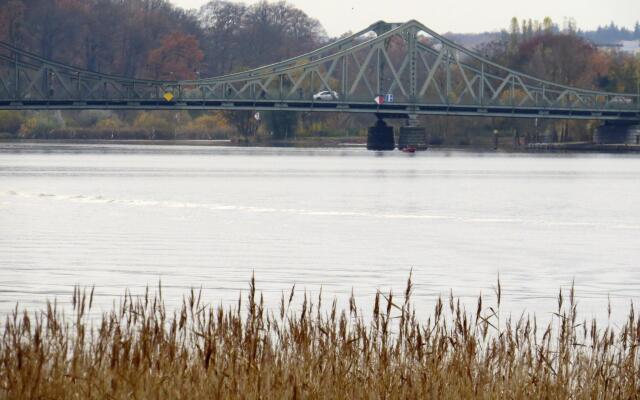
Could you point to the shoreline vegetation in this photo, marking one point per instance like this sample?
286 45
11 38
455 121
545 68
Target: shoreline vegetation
345 142
312 350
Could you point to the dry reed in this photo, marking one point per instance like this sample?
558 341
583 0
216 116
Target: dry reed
140 351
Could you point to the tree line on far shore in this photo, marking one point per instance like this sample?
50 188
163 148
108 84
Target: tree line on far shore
154 39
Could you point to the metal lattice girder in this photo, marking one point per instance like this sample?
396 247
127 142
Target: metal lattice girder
422 72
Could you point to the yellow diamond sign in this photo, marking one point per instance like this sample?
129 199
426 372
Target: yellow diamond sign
168 96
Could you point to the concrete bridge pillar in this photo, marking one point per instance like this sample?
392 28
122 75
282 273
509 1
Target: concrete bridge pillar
381 137
412 135
618 132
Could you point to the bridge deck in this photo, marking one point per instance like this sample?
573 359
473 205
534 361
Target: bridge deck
397 109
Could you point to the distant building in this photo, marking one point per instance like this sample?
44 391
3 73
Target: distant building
626 46
609 47
630 46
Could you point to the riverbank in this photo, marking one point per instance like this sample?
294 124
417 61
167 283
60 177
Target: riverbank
354 142
141 349
584 147
314 143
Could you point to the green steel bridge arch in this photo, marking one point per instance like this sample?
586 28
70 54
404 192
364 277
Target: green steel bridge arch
418 70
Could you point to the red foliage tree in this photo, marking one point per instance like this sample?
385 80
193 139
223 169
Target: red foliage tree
178 57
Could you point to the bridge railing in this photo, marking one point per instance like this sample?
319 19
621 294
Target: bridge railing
26 76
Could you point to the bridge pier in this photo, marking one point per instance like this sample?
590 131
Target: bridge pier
618 132
412 135
381 137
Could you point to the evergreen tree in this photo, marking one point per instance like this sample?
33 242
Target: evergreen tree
514 34
515 27
530 28
547 25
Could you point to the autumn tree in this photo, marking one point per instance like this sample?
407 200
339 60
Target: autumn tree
221 22
623 74
178 57
561 57
12 21
238 36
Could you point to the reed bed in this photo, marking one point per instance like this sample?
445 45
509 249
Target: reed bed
139 350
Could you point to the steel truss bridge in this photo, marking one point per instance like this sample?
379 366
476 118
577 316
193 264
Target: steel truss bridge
424 72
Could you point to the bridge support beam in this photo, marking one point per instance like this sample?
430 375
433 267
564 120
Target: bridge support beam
618 132
412 135
381 137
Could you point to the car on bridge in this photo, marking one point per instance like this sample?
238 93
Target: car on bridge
326 95
621 100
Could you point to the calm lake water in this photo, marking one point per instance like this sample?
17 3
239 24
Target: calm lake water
124 217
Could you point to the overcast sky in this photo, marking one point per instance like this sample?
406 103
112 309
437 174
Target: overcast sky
339 16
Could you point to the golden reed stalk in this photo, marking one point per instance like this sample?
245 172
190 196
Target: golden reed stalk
140 351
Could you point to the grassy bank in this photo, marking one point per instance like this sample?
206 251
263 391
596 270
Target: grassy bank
142 350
